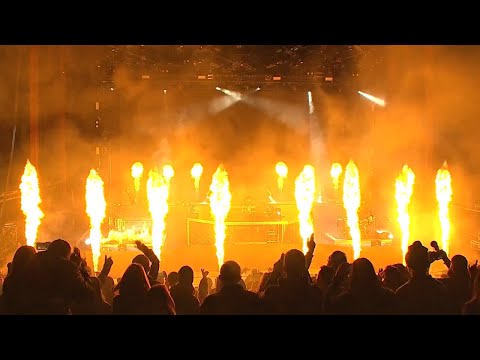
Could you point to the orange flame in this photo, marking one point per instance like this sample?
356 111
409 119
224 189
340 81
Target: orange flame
137 172
282 172
335 173
443 182
168 173
30 201
157 195
196 172
305 196
220 199
96 207
403 193
351 203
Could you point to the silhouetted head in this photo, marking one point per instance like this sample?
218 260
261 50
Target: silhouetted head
160 301
134 281
172 278
417 258
185 275
363 275
336 258
459 266
22 258
142 260
294 264
59 248
403 271
393 278
230 273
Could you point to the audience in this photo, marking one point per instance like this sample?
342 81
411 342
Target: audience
58 281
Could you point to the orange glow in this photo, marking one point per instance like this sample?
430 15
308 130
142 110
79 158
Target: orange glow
282 172
157 195
335 173
220 201
403 193
137 172
96 207
444 192
305 197
351 203
196 172
30 202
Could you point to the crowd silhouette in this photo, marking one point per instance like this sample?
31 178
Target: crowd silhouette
57 281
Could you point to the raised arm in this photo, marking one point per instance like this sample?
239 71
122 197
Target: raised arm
155 262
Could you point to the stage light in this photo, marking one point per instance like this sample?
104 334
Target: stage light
277 78
257 89
374 99
112 88
310 103
146 77
164 91
217 88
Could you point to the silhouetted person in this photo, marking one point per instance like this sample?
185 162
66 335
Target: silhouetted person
231 298
294 294
172 279
159 301
149 261
472 307
205 286
59 278
405 275
95 305
336 259
17 294
422 294
183 294
393 278
366 295
132 292
458 282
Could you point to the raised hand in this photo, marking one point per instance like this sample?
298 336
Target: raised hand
473 269
108 262
138 244
311 243
204 273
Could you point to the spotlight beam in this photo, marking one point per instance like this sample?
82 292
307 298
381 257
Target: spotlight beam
374 99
